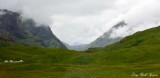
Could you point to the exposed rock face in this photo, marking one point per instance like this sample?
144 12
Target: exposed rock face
26 32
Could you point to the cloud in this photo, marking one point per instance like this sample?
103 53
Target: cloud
2 13
144 15
82 21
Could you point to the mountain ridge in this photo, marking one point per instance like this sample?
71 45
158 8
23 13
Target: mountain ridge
26 32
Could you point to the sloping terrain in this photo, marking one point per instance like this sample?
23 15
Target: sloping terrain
105 39
26 32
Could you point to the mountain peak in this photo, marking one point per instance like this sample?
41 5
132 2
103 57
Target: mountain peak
7 12
119 24
105 39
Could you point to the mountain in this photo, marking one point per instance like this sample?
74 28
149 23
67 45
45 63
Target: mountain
105 39
102 41
26 32
147 39
82 47
142 40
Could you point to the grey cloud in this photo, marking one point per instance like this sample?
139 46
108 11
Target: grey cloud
144 15
82 21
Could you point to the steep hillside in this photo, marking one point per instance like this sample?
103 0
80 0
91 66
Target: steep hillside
105 39
150 37
26 32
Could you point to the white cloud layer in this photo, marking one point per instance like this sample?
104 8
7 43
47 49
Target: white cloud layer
82 21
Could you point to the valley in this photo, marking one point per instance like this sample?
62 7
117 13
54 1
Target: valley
31 51
119 60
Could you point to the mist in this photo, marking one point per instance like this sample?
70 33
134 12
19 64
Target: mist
82 21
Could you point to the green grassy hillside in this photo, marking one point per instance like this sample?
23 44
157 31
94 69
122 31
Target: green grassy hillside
134 55
145 38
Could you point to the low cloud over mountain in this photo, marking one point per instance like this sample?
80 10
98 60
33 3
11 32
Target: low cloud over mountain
82 21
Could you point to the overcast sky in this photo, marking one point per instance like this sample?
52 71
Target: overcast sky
82 21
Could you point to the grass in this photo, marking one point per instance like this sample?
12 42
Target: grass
75 71
61 63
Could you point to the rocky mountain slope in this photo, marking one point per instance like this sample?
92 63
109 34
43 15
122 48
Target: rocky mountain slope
26 32
105 39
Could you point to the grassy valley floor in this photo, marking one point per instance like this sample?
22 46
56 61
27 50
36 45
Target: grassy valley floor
78 71
61 63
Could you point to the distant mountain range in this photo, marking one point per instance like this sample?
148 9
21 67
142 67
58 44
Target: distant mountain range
26 32
102 41
82 47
